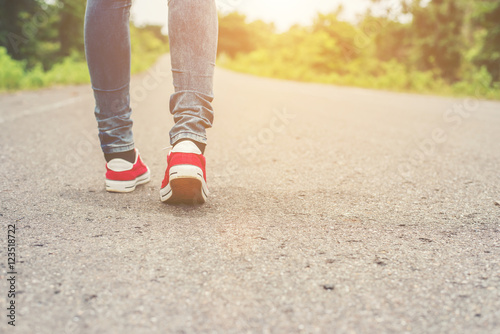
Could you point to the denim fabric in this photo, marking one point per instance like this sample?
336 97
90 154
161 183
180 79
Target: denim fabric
193 46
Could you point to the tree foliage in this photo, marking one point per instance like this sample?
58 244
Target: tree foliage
418 45
487 16
41 44
444 45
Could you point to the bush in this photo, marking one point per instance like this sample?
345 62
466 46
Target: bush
14 75
11 71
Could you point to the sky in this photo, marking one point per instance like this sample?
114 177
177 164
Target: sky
284 13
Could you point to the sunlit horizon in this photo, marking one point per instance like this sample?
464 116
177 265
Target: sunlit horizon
283 13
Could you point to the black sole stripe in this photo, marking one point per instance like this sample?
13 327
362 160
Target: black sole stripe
167 193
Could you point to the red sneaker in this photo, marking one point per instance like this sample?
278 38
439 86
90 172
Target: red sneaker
123 176
185 178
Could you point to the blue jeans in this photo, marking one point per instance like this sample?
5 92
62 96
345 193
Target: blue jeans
193 45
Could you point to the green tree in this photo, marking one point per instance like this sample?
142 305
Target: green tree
390 39
235 35
71 15
18 24
29 31
488 19
343 34
437 40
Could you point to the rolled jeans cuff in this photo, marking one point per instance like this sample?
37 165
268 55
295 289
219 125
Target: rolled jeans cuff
188 135
117 149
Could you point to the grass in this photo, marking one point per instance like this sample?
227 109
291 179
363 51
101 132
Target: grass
363 73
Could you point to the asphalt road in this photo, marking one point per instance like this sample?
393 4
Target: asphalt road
332 210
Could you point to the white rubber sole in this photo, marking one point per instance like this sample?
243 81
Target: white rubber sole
127 186
186 185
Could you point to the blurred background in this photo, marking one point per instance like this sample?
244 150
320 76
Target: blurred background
448 47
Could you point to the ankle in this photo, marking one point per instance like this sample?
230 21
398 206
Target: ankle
127 156
200 146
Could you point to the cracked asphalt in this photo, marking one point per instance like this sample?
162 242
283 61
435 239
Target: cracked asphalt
332 210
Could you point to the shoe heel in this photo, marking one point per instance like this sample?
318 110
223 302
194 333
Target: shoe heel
186 190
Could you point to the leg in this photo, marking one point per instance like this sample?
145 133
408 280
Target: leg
192 26
107 47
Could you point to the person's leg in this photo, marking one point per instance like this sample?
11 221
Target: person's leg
192 27
192 30
107 48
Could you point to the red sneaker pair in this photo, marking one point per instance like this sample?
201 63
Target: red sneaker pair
185 177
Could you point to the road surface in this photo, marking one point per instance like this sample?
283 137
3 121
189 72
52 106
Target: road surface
332 210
